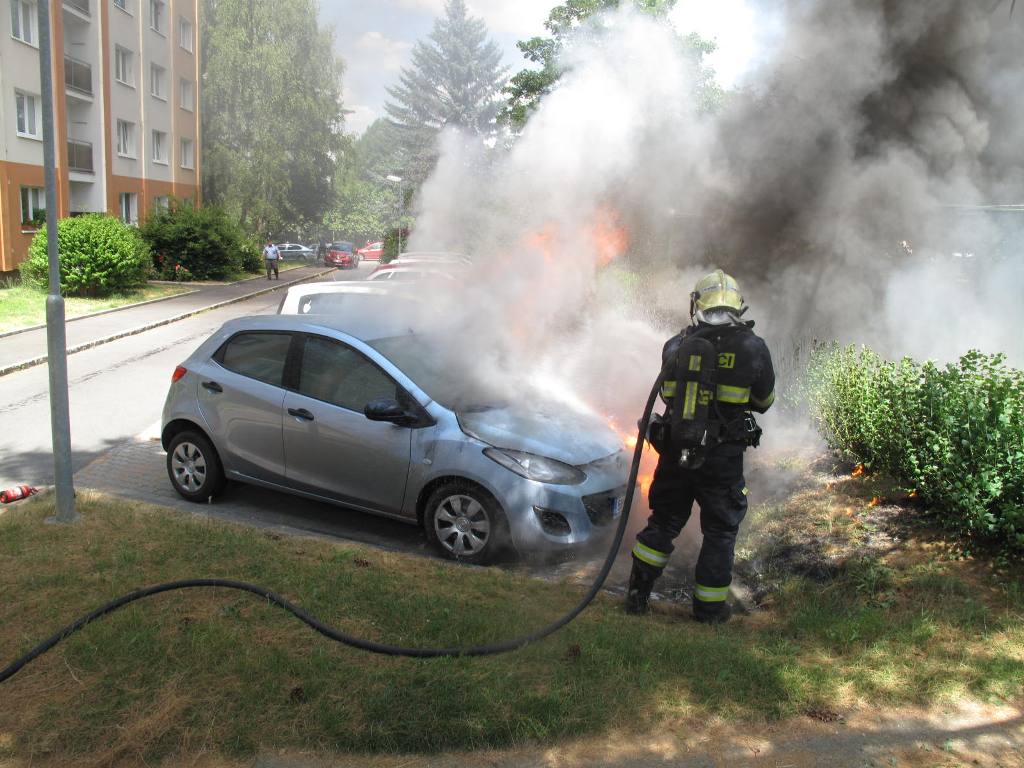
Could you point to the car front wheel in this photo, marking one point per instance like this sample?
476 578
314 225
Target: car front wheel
194 467
464 523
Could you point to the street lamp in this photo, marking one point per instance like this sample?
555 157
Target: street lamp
401 208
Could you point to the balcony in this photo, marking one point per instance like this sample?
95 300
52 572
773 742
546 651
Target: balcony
79 6
80 156
77 76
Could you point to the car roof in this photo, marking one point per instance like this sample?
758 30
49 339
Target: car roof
434 256
354 321
309 289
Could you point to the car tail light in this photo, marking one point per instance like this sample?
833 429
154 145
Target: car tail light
178 373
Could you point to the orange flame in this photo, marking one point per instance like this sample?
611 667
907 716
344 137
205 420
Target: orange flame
913 495
875 501
857 471
610 239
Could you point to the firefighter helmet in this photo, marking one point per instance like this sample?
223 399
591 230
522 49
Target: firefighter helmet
715 297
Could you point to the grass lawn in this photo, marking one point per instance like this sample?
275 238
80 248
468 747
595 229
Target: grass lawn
22 307
217 672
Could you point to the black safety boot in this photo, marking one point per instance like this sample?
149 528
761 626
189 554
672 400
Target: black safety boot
718 615
639 592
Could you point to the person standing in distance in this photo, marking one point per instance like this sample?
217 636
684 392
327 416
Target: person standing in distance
709 391
271 255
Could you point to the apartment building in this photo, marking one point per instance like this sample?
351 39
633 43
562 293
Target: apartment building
126 111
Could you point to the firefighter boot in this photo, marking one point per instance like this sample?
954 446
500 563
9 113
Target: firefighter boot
641 582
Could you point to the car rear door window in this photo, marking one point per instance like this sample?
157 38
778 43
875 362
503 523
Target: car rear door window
340 375
260 356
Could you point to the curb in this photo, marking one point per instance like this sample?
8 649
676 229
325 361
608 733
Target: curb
67 320
22 365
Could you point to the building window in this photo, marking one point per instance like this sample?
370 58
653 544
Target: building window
122 4
158 81
33 205
187 99
28 118
125 138
156 15
160 147
128 203
24 21
185 34
123 70
161 203
187 156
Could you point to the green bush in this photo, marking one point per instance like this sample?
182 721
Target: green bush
204 241
955 434
252 255
99 255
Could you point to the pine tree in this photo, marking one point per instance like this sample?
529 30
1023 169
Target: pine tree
455 80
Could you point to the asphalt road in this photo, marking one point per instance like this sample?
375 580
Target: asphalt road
116 391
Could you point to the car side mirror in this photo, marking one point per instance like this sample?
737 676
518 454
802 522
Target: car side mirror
389 409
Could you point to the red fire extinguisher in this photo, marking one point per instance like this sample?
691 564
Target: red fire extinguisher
18 492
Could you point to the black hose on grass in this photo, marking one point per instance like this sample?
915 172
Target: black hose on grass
357 642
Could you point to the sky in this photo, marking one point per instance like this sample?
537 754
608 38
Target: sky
376 38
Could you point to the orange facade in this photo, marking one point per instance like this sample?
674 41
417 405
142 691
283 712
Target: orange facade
15 235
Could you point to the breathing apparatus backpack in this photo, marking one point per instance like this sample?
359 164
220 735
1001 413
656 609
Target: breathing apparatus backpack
696 366
695 422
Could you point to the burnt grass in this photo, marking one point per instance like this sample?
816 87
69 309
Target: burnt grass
825 518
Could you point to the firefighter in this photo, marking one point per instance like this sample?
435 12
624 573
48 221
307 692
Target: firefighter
708 470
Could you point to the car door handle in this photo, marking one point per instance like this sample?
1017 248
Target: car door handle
213 386
300 413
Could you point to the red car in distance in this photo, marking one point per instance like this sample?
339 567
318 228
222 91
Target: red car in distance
341 254
371 251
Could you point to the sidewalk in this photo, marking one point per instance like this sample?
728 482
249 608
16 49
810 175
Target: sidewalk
28 348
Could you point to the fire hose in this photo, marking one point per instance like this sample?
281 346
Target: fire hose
332 633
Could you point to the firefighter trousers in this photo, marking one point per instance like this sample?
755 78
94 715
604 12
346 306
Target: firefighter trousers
720 491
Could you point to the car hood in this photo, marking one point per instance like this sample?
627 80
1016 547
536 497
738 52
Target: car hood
555 432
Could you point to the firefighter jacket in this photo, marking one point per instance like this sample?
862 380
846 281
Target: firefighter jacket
745 378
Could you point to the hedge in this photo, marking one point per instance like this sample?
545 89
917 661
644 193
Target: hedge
955 434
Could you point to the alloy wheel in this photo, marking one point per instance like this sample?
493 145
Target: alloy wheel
189 467
462 525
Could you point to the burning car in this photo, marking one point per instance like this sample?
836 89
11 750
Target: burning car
360 412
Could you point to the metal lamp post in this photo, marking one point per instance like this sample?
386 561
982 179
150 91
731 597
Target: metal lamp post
56 341
401 209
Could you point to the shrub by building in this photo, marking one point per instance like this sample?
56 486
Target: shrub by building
99 255
203 243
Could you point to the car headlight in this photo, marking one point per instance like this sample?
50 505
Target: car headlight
538 468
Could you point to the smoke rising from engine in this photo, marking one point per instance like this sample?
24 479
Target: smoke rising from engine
850 187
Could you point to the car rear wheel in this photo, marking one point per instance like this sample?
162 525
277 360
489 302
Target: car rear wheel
194 467
465 523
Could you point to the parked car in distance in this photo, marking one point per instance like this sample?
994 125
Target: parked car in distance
451 264
341 254
372 251
359 411
329 298
411 273
296 252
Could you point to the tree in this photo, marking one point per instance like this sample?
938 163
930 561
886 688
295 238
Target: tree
455 80
526 89
272 111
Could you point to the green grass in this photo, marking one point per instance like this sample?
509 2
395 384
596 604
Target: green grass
224 673
23 307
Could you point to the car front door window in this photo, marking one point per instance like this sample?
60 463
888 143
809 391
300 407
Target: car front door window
340 375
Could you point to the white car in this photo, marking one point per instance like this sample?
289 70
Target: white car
329 298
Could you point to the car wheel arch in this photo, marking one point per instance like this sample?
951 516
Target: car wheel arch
176 427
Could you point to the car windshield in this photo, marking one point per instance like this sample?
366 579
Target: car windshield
341 246
440 367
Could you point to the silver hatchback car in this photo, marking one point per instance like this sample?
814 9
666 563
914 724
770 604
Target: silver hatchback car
356 410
